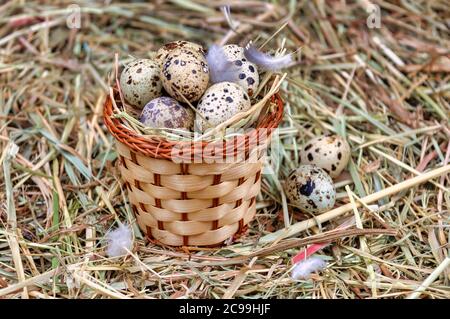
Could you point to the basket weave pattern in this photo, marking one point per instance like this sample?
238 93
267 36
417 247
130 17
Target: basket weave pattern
177 204
189 204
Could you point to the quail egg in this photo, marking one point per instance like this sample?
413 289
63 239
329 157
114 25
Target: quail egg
185 73
248 76
165 112
330 152
233 52
221 102
168 47
310 188
140 82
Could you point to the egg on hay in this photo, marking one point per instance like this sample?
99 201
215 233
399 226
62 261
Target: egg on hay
165 112
221 102
311 189
248 76
330 152
185 74
140 82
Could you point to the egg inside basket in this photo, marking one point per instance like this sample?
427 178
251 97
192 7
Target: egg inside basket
195 186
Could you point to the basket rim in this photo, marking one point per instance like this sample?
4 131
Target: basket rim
161 148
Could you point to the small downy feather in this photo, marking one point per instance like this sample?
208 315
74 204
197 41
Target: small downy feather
305 268
120 241
220 68
265 61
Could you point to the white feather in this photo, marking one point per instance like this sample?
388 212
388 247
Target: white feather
220 68
265 61
119 240
305 268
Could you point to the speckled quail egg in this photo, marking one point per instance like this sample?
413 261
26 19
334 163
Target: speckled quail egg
310 188
165 112
168 47
221 102
185 73
140 82
233 52
330 152
248 76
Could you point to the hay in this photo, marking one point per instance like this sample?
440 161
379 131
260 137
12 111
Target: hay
385 89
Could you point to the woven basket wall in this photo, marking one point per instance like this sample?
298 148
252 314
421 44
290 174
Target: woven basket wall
199 204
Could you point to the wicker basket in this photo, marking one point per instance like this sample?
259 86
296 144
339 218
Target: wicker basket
199 204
